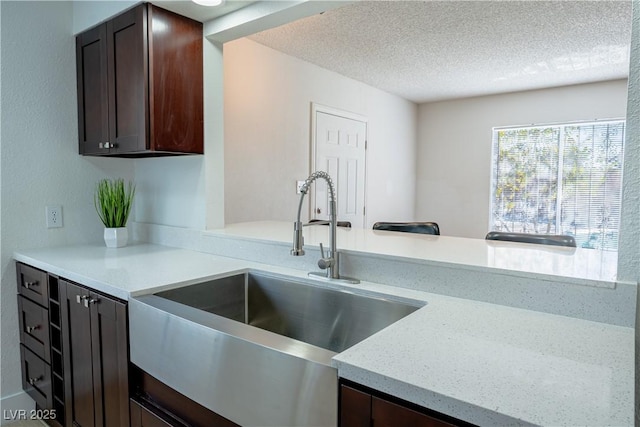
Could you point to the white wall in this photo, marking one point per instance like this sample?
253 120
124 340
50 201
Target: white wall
455 137
40 164
87 13
267 124
629 246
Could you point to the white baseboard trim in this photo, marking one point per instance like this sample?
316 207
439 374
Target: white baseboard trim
10 405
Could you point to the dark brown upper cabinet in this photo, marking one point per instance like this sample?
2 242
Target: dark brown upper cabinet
140 90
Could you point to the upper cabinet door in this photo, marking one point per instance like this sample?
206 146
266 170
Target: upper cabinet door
127 72
93 114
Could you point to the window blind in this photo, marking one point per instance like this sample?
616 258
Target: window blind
559 179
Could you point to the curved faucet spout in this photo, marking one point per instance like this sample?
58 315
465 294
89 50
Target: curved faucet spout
298 239
304 189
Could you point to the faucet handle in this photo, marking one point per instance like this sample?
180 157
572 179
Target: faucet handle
324 262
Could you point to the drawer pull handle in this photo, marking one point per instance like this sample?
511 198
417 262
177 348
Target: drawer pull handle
91 301
33 381
32 328
30 284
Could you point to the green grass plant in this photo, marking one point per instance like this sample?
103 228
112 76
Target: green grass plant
113 200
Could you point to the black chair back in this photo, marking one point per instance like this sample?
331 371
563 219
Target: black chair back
409 227
541 239
346 224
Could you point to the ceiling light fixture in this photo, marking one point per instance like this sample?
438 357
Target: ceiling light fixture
209 2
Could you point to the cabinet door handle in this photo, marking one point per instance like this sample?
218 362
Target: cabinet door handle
91 301
32 328
80 298
28 285
33 381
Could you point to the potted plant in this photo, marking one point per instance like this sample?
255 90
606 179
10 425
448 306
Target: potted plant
113 200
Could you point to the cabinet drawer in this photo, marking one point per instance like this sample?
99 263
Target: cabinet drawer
32 283
36 377
34 327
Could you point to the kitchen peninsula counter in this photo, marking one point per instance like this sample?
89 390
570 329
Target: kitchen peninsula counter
484 363
588 266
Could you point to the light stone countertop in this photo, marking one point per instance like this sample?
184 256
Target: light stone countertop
589 266
483 363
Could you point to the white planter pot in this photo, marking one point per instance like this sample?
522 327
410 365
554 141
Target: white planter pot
116 237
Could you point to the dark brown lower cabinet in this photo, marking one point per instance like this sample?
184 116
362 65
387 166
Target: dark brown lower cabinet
146 416
154 404
40 342
362 407
95 347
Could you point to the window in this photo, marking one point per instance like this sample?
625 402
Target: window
559 179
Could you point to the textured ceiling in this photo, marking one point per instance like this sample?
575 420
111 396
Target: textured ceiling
433 50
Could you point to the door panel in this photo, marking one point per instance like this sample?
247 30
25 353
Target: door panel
331 166
110 355
355 408
128 100
144 417
388 414
340 151
351 187
93 113
78 369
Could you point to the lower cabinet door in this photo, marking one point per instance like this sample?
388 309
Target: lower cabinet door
388 414
78 373
94 332
110 357
355 407
364 407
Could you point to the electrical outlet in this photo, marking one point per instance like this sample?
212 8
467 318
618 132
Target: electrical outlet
299 185
54 216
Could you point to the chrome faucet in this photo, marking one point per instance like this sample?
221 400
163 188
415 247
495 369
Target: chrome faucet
331 260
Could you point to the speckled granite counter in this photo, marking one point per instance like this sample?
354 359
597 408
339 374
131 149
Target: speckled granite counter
480 362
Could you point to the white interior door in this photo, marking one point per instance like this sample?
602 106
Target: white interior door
340 150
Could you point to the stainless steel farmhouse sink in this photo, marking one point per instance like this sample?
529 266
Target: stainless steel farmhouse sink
256 347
